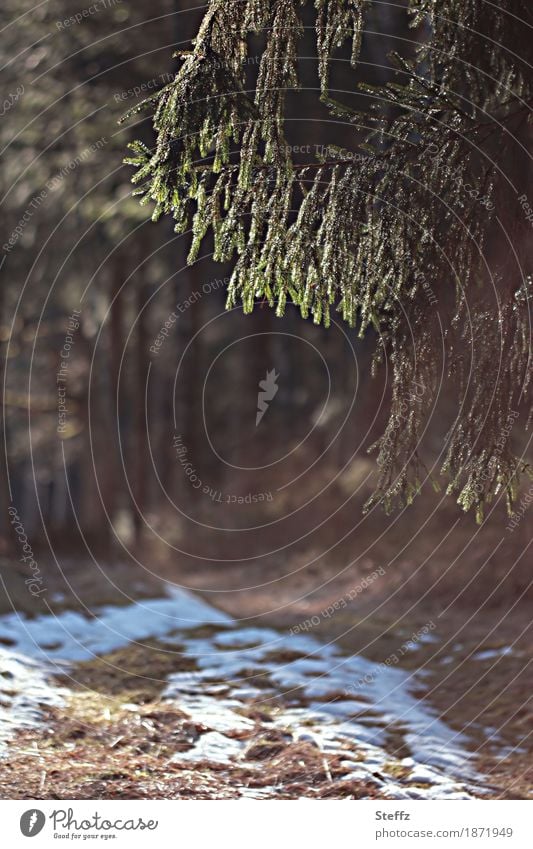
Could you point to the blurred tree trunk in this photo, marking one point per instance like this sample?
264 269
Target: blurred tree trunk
140 436
5 498
94 461
116 347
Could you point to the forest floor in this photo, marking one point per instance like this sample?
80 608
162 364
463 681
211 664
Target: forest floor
158 696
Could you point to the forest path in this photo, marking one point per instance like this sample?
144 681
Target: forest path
173 696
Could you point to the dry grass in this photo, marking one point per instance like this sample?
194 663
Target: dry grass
97 750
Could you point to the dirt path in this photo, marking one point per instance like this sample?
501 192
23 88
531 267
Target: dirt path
113 686
169 698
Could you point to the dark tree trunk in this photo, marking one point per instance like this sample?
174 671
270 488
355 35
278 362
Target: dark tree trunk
141 475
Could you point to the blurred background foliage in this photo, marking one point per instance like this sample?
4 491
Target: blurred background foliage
113 481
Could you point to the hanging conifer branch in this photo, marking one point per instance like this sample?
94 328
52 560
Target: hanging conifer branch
421 212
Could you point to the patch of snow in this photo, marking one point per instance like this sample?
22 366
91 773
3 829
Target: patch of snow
25 690
490 654
74 636
211 746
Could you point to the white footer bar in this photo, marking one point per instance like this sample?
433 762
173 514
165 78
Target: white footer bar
247 824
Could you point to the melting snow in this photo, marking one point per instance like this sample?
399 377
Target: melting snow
344 704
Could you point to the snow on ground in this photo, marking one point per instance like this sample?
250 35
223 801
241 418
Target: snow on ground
343 704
